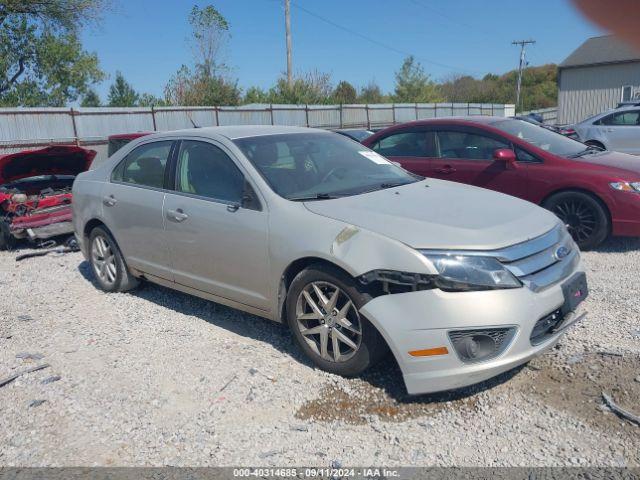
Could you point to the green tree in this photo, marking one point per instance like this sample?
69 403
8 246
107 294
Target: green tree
121 93
188 88
207 82
91 99
313 88
345 93
150 100
41 58
371 93
255 95
413 84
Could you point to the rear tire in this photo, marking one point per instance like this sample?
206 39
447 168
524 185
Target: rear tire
585 217
7 241
351 343
107 263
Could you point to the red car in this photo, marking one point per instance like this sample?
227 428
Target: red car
35 192
595 193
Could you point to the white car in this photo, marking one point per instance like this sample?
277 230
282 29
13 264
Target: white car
356 255
617 130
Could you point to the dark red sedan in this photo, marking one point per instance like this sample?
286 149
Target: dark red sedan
596 193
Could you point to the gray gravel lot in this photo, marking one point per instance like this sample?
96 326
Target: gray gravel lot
161 378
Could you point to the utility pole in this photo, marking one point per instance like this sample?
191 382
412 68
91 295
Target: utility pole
287 24
522 65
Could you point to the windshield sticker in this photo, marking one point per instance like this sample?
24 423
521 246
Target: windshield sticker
374 157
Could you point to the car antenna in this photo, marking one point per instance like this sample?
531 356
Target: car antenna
191 120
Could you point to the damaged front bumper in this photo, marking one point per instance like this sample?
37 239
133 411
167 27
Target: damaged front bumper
43 225
424 330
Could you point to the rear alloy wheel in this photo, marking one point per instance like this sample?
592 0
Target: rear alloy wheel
323 313
107 263
585 218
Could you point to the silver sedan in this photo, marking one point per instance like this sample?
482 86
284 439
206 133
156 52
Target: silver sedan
359 257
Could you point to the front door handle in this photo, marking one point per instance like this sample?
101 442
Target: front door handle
109 201
177 215
447 169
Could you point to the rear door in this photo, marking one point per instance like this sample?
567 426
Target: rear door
411 148
218 241
132 207
465 155
621 130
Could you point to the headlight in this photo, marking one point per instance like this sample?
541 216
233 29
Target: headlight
465 273
626 186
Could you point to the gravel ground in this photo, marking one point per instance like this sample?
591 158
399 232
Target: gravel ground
158 378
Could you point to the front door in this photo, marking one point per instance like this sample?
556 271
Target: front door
466 156
132 208
217 245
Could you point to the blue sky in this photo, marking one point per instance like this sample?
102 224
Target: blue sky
148 40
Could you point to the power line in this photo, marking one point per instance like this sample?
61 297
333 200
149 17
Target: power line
378 43
472 28
287 24
521 65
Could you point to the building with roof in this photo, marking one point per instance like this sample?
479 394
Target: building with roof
598 75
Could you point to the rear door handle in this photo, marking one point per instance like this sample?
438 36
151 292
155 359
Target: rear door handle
177 215
446 169
109 201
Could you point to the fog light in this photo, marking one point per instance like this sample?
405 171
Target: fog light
19 198
482 344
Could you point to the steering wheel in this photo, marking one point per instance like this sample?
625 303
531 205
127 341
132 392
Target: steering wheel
333 172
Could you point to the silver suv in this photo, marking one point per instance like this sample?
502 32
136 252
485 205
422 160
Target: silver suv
617 130
355 254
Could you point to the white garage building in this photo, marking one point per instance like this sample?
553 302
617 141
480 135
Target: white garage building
598 75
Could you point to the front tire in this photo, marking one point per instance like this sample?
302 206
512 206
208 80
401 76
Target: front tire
323 313
585 217
107 263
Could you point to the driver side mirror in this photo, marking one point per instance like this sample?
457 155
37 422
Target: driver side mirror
505 156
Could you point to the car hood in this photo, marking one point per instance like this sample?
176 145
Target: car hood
622 161
441 215
59 160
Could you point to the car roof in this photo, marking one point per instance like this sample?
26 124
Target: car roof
485 119
242 131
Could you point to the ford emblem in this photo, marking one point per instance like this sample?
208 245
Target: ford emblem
562 252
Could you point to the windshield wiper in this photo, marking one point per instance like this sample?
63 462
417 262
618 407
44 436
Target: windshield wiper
385 185
317 196
589 149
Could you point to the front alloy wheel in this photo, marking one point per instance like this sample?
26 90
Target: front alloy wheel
323 313
328 321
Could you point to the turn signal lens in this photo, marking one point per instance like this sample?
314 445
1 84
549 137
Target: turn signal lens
429 352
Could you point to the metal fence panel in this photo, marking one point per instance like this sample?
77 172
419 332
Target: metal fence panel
96 123
405 112
22 124
293 115
169 118
35 127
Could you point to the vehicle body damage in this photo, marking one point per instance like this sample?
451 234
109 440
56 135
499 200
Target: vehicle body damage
35 192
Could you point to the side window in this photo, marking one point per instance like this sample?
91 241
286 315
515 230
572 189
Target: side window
405 144
145 165
205 170
623 118
467 146
524 156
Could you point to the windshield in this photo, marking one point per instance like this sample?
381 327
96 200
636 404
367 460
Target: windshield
319 165
541 137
